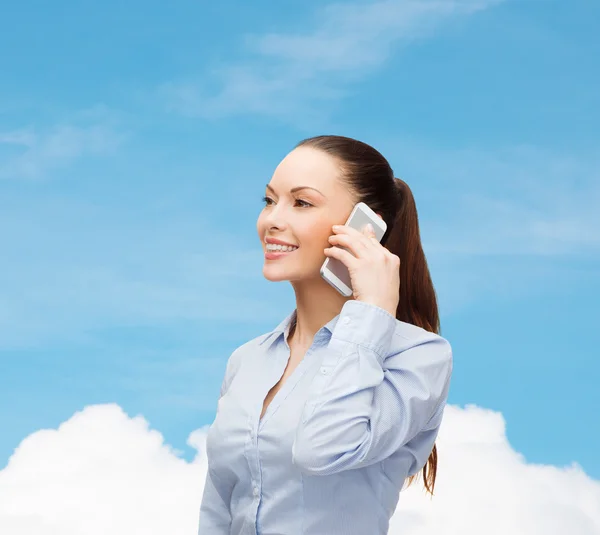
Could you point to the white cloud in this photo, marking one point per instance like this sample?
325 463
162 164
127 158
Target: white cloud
487 487
103 472
24 136
289 73
512 200
531 203
100 472
92 132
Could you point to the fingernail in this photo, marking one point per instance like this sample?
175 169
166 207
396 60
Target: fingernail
369 227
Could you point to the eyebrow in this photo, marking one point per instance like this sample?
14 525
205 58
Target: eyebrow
298 188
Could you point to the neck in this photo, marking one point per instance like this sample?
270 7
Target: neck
317 303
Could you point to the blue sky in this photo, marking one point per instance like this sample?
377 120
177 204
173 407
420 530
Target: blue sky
135 143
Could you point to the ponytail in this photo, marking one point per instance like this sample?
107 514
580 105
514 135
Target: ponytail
418 302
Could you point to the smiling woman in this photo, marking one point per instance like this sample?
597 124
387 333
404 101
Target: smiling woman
321 421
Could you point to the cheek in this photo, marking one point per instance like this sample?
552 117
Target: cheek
323 230
317 237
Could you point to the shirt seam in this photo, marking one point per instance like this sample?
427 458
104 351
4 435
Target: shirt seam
371 347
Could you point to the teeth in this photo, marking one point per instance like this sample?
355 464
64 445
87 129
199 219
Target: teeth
280 248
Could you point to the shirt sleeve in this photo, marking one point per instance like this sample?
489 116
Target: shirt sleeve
368 401
215 518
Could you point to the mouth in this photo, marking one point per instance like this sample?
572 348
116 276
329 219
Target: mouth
274 251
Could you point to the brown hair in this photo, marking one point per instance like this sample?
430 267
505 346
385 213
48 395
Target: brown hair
372 179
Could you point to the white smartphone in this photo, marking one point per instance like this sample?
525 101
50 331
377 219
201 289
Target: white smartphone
334 271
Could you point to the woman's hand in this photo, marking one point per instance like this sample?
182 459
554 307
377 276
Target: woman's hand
374 271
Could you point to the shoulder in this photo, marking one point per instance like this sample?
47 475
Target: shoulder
247 348
415 342
239 356
259 343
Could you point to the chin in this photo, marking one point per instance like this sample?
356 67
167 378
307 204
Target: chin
274 277
275 273
279 273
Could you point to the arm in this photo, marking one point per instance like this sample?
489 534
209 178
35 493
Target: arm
215 517
367 403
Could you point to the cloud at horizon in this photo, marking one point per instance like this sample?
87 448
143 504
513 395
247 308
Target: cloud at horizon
102 471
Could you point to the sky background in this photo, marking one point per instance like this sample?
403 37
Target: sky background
135 142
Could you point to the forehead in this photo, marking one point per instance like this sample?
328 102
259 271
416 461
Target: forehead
305 166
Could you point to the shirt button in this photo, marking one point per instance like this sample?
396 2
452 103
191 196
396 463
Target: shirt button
346 320
255 490
324 371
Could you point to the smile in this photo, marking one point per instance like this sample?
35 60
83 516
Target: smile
274 248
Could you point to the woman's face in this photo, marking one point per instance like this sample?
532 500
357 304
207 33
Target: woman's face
304 199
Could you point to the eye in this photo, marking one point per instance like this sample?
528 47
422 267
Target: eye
303 204
267 200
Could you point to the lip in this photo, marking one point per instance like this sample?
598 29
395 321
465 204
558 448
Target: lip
274 255
275 241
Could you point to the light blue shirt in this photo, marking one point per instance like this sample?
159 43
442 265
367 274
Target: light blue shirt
359 414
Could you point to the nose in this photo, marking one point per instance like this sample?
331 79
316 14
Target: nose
274 219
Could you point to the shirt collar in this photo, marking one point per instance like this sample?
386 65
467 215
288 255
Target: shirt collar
284 329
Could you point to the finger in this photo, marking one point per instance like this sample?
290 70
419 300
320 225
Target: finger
352 232
359 244
343 256
366 236
395 259
369 231
357 247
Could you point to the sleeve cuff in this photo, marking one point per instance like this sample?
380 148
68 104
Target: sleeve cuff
365 325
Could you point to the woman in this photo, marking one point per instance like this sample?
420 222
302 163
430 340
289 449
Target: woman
322 420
